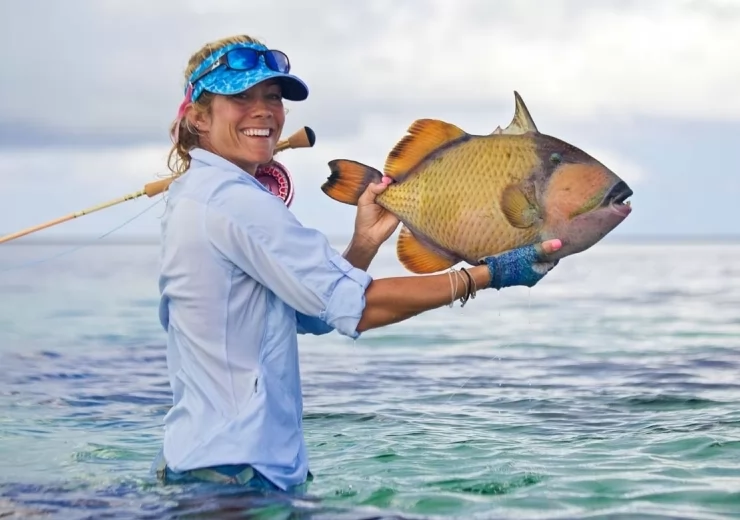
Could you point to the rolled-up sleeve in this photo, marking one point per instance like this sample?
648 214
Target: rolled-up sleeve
254 230
311 325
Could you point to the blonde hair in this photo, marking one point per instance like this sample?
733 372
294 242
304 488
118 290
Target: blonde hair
178 160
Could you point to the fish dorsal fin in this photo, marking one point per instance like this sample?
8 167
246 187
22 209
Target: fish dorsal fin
425 136
517 208
522 121
418 258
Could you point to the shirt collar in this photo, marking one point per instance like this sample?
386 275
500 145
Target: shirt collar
207 158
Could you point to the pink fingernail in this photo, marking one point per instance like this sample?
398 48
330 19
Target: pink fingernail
557 244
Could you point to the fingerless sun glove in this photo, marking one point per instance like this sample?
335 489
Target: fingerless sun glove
521 266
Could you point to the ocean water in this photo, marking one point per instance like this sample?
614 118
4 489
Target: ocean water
610 390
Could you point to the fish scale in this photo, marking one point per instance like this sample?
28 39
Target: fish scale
462 197
455 198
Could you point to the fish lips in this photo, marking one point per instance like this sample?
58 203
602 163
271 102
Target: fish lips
616 199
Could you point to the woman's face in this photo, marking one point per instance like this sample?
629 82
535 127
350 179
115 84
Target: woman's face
245 127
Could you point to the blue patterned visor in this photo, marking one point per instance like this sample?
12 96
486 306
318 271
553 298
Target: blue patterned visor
240 66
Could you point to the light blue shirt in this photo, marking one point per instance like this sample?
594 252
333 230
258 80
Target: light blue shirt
240 278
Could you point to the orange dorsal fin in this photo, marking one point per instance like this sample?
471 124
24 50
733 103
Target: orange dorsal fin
418 258
425 136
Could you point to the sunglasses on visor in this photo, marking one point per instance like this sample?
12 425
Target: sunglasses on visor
247 59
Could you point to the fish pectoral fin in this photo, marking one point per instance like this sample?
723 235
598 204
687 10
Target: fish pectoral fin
522 121
519 211
425 136
418 258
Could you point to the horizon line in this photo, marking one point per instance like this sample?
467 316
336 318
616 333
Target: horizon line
151 239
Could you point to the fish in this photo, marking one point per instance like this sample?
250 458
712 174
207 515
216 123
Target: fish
461 197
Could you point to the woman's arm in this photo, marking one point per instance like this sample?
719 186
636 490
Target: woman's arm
390 300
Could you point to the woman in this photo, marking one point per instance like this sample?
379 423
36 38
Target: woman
240 278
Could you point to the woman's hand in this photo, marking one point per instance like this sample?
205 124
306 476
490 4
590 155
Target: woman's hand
373 223
522 266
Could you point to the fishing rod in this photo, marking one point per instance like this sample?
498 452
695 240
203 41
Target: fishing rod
303 138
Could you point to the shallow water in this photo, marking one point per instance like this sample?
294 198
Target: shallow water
611 390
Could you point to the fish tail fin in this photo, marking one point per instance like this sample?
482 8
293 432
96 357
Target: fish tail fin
349 179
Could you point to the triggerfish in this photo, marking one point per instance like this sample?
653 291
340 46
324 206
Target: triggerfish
462 197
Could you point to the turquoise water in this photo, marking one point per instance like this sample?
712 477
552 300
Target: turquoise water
610 390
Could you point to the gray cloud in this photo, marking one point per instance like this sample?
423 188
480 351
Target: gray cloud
23 134
111 72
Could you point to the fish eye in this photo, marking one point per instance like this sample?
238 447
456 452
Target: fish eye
556 158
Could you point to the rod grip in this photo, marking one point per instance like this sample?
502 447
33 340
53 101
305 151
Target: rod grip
157 187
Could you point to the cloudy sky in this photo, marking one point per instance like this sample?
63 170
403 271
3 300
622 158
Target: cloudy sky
651 88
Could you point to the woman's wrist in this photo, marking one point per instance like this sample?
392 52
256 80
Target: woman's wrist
360 252
481 274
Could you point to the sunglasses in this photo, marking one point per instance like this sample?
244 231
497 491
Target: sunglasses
247 59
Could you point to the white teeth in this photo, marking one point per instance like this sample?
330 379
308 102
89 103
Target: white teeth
257 132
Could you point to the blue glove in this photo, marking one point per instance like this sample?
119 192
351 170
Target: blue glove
521 266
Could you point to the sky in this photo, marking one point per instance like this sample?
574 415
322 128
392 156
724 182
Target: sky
651 89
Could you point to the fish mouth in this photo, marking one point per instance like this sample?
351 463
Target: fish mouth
616 199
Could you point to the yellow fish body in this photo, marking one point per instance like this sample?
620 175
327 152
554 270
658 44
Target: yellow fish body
462 197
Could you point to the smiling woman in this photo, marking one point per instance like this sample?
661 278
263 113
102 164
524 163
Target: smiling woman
241 278
226 96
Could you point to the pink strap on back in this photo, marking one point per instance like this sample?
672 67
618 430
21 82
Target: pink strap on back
181 112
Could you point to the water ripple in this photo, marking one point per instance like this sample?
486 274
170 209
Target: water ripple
610 391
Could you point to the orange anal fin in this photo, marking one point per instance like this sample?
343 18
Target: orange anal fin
418 258
425 136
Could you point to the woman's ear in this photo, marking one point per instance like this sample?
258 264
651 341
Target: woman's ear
198 119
